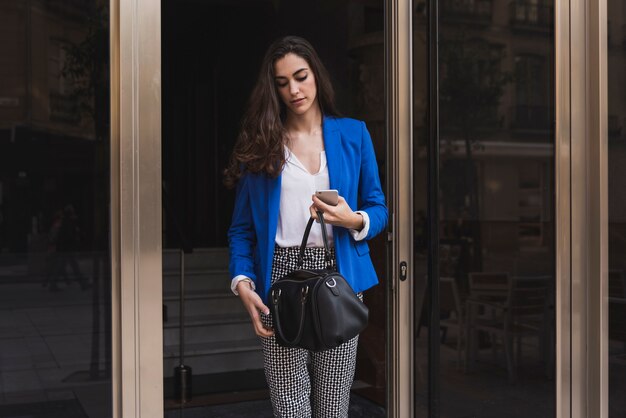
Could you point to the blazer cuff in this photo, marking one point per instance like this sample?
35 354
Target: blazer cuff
360 235
235 281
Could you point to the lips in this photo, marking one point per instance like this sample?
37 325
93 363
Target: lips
298 101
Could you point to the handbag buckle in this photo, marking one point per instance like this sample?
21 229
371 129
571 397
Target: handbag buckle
304 292
276 296
334 282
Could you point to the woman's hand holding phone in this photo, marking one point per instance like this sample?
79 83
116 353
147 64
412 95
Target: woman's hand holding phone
338 215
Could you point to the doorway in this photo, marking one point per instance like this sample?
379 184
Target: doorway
209 66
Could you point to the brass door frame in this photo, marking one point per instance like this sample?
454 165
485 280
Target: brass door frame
399 65
563 188
588 150
136 248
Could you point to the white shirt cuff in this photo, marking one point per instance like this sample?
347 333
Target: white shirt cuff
234 282
360 235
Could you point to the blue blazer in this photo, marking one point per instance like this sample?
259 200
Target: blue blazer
353 172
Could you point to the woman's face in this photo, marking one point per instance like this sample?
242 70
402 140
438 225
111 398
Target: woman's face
295 84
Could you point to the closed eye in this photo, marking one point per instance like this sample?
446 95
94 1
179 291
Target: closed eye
297 79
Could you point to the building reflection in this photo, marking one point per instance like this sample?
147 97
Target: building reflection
55 338
496 100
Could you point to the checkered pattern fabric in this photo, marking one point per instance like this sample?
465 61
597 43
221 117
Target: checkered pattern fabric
304 383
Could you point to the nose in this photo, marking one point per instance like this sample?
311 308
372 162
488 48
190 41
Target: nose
293 87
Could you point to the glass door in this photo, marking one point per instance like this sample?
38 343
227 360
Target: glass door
484 195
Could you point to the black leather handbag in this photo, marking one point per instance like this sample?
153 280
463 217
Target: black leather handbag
316 309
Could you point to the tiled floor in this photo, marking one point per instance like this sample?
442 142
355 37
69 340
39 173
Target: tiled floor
48 409
45 338
359 408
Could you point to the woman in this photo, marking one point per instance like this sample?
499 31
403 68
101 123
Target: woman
292 142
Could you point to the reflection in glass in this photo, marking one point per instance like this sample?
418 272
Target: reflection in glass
420 207
55 327
617 206
496 207
210 64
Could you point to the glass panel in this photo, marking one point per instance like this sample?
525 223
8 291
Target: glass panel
55 280
420 207
210 64
617 206
496 205
497 202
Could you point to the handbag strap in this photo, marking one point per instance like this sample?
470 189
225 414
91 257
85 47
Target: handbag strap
276 314
305 239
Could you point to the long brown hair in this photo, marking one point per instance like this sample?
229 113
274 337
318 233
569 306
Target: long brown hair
259 146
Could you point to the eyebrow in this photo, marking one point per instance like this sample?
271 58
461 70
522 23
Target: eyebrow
301 69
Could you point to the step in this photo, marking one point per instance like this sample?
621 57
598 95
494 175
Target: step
203 302
210 328
197 321
218 357
218 347
198 259
204 279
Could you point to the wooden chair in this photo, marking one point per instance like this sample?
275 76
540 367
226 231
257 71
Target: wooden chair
450 301
488 285
522 313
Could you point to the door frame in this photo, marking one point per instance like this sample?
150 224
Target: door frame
399 116
585 119
136 248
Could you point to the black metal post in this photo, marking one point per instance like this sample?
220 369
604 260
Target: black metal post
433 210
181 319
182 373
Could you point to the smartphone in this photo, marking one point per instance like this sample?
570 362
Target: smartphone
330 197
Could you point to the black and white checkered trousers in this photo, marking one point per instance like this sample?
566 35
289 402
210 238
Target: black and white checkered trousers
304 383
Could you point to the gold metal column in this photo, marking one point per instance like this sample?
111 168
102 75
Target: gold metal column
400 122
114 68
589 209
597 203
563 210
136 208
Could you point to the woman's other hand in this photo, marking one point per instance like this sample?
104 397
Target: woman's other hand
340 215
254 305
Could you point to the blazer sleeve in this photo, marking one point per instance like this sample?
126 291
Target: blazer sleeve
372 199
241 234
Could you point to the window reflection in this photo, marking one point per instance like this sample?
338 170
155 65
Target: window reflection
55 328
496 207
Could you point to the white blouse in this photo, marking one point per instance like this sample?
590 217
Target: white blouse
297 188
298 185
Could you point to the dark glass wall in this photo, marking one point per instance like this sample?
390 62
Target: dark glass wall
420 205
496 210
616 11
55 328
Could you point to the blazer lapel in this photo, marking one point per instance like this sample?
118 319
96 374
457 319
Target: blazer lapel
273 206
332 146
